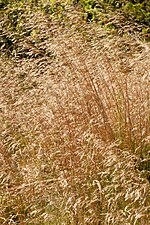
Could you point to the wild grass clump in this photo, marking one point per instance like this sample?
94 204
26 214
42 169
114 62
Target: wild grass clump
74 132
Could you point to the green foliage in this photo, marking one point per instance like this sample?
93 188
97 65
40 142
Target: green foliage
138 12
3 3
90 9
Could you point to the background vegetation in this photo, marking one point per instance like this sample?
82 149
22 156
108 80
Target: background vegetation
74 112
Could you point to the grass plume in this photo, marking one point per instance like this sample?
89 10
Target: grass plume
74 146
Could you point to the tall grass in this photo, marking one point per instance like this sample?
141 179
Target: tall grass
74 128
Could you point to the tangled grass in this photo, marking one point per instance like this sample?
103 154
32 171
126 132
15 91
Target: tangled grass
74 131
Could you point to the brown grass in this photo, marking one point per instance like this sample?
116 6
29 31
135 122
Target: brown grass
73 130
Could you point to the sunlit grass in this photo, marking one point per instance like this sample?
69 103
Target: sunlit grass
74 132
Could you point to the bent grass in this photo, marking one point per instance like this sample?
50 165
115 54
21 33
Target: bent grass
71 144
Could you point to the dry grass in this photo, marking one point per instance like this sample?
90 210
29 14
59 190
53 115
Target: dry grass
73 130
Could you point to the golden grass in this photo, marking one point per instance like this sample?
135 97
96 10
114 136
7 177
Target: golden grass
74 128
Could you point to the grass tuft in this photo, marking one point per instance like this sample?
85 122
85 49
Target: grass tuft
75 126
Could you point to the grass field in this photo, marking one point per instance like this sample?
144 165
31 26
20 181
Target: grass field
74 119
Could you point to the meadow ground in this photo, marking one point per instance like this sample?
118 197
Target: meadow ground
75 126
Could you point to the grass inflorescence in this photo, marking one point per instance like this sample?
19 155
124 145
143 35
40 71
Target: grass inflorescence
74 122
